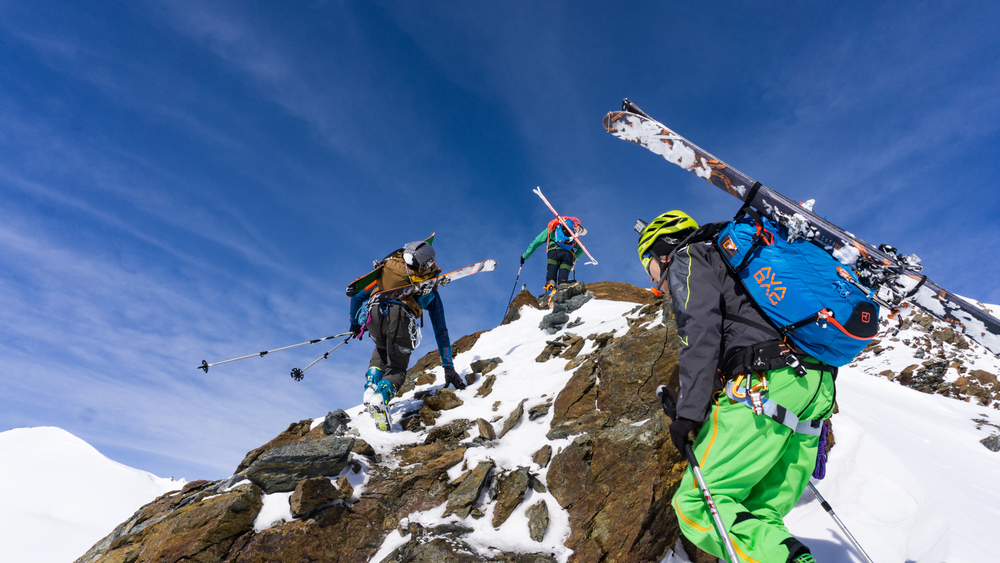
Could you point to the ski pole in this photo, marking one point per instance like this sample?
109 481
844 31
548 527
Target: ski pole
298 374
719 526
205 365
829 510
513 289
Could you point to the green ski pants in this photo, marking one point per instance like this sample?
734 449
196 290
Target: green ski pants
755 468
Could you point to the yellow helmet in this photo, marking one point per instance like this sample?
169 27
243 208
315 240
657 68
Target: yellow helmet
668 229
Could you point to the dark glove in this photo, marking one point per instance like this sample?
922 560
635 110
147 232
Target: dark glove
679 430
522 260
451 377
356 331
668 400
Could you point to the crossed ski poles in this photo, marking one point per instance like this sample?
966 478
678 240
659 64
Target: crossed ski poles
296 372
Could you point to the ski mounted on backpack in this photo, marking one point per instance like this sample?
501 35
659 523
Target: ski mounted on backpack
889 278
369 279
572 232
427 286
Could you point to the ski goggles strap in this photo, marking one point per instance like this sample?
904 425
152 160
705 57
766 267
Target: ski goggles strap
738 391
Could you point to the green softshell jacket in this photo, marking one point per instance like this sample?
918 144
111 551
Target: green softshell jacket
543 238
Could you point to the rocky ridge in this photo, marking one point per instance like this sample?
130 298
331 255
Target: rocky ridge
581 469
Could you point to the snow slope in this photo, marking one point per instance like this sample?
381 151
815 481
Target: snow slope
59 495
908 475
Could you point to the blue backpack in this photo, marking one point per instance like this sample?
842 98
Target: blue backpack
806 293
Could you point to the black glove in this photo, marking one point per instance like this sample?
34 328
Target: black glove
356 331
668 400
522 260
679 430
451 377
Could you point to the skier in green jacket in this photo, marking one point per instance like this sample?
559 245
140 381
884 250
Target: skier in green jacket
755 467
561 248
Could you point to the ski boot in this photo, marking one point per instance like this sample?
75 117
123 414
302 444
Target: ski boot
372 379
545 299
379 406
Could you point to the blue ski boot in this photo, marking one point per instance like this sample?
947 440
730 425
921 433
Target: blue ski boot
372 379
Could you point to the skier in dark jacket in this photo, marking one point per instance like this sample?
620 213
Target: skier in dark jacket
394 325
755 466
561 248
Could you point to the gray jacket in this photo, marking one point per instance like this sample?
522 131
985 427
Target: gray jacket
706 298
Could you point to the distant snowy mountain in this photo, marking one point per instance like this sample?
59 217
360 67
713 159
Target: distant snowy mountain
59 496
555 452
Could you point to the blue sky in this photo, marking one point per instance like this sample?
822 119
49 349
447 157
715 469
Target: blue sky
199 180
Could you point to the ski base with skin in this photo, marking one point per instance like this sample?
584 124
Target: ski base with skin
891 278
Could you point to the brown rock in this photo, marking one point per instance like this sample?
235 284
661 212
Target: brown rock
443 400
574 345
618 291
542 456
311 494
463 498
486 387
513 419
510 493
486 429
538 520
524 298
202 529
619 515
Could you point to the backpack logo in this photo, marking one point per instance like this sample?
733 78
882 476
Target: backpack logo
866 317
773 288
729 247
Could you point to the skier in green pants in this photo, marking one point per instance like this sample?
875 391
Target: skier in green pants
756 466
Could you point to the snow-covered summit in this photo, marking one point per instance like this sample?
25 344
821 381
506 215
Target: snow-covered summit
59 495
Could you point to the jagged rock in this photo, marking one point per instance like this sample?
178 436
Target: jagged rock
462 499
510 494
524 297
425 378
618 291
992 443
547 352
362 447
486 429
428 416
616 514
443 400
201 530
485 366
280 469
538 411
486 387
451 433
575 344
311 494
542 456
566 292
538 520
336 423
513 419
552 322
295 433
601 340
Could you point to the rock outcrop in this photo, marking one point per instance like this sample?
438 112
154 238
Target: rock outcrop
605 460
